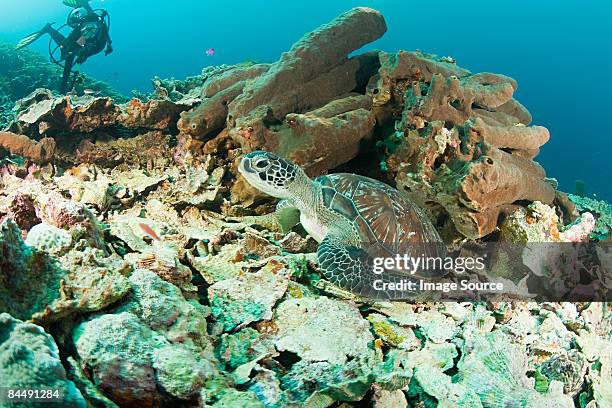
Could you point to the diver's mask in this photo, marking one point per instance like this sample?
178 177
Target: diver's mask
77 16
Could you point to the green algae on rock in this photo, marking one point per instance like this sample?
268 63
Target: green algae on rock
391 333
246 345
30 359
20 267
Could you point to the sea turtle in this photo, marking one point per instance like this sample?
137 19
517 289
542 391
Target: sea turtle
354 218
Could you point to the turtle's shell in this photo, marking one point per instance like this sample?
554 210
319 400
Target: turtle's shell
388 222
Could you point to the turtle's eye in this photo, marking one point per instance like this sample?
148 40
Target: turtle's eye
262 164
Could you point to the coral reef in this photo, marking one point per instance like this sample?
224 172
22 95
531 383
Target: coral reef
145 272
6 111
540 223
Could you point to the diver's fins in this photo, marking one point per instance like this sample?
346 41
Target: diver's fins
33 37
29 39
74 3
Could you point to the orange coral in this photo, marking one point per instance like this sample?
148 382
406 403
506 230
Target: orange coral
135 103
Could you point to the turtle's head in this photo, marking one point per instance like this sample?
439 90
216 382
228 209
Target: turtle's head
270 173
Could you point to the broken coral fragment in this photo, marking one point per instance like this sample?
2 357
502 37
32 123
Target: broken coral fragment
38 287
48 238
30 279
163 307
311 328
110 341
491 373
494 369
539 222
86 114
247 298
600 209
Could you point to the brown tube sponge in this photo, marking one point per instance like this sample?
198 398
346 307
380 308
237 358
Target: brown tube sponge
453 99
405 67
502 179
464 171
314 71
512 137
231 77
324 138
210 115
340 106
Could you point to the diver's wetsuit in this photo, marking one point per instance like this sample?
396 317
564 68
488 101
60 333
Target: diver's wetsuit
89 37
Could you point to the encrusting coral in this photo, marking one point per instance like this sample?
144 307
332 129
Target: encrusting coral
128 238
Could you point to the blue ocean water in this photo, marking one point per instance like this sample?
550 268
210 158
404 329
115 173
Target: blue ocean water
558 51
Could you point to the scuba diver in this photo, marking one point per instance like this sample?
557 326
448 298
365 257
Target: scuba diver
89 36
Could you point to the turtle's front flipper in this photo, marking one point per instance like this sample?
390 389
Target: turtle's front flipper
351 268
288 216
268 221
341 264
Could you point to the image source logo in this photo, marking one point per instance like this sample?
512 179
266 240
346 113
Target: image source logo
553 272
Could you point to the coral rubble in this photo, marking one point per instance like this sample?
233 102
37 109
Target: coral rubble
138 269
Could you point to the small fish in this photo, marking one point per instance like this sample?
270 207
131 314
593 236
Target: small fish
149 232
210 52
89 91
